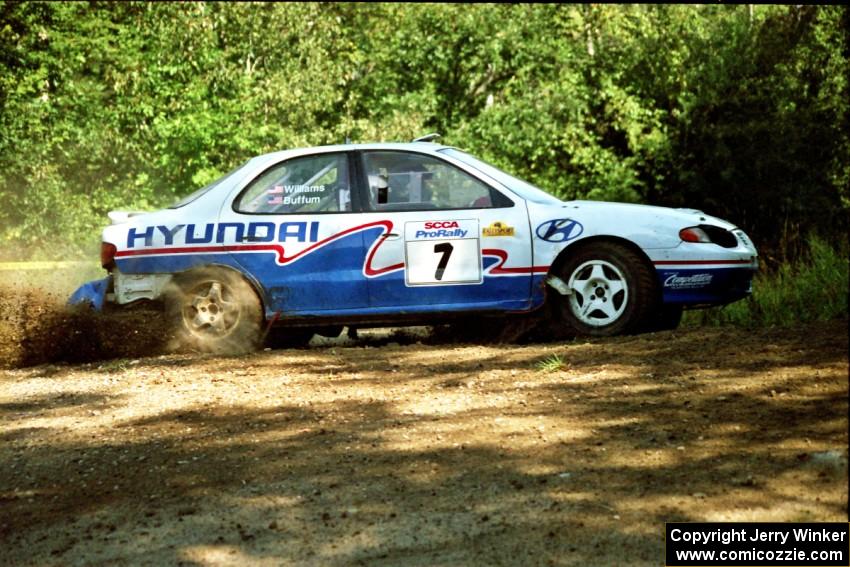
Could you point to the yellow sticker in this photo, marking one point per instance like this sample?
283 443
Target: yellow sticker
498 228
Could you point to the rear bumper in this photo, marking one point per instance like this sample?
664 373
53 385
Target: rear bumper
120 289
92 294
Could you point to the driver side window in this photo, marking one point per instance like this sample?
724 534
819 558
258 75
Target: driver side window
403 181
310 184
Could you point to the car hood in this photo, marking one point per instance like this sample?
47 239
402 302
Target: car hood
645 225
628 212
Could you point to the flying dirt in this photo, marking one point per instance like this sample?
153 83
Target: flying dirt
36 327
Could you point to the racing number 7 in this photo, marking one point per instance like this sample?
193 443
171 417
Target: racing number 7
444 248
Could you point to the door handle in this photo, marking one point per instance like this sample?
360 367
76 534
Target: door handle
390 236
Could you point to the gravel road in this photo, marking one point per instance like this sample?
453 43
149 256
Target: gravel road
388 451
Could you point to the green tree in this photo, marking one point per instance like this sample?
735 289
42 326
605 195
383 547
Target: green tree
740 111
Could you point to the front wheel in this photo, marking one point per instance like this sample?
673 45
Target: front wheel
215 311
611 290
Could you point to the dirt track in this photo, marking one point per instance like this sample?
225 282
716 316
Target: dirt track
390 454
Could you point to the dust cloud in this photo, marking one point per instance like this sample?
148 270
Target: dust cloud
36 327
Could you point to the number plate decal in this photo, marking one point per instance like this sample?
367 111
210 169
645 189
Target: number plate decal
442 252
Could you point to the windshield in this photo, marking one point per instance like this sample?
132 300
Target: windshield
191 197
522 188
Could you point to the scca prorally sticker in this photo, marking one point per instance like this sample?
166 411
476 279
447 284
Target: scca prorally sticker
442 252
675 281
559 230
498 228
429 230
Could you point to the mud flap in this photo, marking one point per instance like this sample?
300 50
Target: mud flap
91 293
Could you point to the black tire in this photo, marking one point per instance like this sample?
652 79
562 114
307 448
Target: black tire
215 310
613 290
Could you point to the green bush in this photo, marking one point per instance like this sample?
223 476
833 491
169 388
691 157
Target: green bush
813 288
742 111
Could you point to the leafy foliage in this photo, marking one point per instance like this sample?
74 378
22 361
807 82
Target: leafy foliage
741 111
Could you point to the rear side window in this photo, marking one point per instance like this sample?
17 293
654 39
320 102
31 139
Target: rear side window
310 184
206 188
402 181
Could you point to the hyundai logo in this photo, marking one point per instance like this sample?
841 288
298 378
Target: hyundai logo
559 230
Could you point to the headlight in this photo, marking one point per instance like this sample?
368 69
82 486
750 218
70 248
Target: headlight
709 234
694 234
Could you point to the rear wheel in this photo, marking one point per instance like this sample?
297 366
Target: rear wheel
612 290
215 311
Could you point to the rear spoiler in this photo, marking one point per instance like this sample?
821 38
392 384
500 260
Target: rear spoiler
119 217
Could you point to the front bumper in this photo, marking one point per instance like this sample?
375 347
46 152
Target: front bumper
705 286
702 274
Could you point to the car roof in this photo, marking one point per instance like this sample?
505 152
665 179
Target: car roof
421 147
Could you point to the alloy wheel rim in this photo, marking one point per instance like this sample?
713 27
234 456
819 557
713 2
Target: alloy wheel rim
208 312
599 293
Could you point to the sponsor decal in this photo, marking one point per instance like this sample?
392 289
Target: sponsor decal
297 189
442 233
225 232
442 252
498 228
441 229
295 196
559 230
294 200
262 242
675 281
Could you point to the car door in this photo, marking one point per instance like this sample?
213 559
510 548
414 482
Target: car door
455 242
296 232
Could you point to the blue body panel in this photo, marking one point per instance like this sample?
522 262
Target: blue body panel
92 293
390 290
323 281
538 290
705 285
320 281
507 306
172 263
310 293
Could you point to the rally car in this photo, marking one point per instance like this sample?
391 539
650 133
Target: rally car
409 233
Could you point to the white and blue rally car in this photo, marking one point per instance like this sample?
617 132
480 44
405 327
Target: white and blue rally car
409 233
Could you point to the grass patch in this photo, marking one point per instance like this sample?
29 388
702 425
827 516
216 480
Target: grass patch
550 364
813 288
